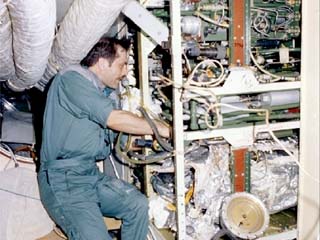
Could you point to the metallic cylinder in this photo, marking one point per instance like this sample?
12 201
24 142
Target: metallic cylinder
190 25
279 98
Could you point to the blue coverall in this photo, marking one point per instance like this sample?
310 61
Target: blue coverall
72 189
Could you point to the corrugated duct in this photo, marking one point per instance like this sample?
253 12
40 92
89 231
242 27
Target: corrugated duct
33 23
6 56
82 26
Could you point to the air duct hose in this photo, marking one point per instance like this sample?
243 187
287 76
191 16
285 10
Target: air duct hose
83 25
6 56
33 23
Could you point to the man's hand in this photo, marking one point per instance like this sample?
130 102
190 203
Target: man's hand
164 130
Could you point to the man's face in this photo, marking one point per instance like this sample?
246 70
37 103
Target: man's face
114 73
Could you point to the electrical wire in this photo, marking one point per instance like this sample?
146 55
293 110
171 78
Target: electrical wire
213 81
11 154
17 158
197 88
187 62
274 76
208 19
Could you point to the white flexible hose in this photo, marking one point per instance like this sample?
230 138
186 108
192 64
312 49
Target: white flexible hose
33 23
82 26
6 56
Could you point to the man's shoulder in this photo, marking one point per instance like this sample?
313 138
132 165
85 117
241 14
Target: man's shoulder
74 68
73 75
80 73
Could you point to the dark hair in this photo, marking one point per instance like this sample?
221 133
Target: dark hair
105 48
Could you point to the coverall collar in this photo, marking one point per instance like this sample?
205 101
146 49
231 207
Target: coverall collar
89 75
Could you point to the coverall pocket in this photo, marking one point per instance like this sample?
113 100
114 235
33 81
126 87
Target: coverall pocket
57 179
57 183
81 185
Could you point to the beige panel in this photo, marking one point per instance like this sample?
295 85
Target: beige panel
308 208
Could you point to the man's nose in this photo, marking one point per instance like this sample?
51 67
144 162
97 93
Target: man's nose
124 71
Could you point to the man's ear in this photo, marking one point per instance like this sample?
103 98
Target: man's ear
103 63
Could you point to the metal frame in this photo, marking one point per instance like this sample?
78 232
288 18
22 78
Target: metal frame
308 215
241 136
288 235
176 52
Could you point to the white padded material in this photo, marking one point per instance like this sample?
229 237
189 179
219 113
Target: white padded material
83 25
33 24
6 60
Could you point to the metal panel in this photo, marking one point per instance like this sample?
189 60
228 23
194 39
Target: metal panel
147 22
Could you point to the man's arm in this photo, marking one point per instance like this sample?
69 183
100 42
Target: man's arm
124 121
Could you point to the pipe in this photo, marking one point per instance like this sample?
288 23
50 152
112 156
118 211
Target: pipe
33 25
6 55
83 25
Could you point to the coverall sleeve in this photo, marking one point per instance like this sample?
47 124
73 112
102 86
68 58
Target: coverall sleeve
81 98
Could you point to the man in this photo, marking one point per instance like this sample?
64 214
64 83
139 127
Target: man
77 126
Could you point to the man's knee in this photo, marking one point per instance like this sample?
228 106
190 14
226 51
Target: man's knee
144 202
139 206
